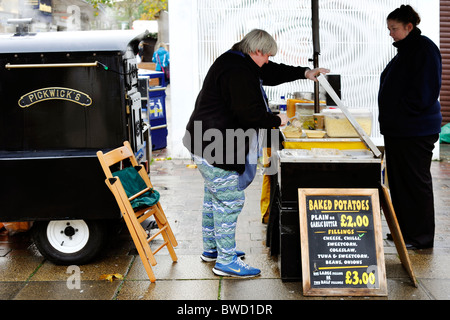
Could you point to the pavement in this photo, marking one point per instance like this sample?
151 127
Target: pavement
26 275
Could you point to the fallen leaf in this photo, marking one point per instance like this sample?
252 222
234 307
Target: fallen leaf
111 277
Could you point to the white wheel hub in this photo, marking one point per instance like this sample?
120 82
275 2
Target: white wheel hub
68 236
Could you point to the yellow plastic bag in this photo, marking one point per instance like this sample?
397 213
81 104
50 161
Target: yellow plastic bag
265 198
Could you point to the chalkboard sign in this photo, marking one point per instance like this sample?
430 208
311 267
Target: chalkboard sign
341 243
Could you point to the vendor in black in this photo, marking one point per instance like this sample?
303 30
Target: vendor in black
410 120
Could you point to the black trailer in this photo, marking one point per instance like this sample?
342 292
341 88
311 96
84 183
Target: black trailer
63 97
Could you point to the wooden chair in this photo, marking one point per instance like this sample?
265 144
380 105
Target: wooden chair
134 217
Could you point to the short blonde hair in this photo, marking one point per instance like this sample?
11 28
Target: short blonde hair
161 45
257 40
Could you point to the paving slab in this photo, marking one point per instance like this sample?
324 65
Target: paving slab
92 271
192 289
59 290
18 268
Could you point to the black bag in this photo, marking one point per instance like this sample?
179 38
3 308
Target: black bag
167 72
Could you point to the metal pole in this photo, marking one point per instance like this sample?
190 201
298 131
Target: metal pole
316 48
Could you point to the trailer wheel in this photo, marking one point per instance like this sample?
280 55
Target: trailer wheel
67 242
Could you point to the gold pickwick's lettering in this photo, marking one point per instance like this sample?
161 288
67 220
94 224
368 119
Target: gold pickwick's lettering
54 93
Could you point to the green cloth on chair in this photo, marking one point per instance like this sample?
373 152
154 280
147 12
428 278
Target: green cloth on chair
133 183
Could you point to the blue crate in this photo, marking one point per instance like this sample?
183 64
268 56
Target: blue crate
159 138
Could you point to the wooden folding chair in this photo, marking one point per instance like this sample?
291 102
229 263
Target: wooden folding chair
134 217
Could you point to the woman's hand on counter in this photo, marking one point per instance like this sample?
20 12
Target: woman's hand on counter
312 74
284 119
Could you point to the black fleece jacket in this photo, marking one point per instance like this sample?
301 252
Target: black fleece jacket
231 98
409 89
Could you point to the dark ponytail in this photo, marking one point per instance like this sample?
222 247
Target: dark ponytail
405 14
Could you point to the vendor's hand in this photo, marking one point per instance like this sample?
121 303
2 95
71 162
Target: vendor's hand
284 119
314 73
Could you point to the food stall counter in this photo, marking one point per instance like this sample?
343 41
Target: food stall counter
333 143
315 168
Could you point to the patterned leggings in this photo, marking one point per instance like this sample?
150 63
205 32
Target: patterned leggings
222 204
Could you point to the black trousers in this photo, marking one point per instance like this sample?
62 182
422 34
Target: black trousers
408 162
